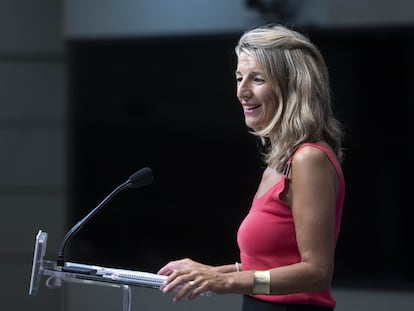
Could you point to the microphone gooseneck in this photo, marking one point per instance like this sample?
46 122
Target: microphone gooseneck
141 178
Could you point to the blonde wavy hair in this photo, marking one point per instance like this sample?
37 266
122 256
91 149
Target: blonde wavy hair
299 77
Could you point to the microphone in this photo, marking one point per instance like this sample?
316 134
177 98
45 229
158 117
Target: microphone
140 178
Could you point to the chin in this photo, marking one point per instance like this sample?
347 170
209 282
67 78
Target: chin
253 124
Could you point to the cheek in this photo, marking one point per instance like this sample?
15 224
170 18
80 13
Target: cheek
270 105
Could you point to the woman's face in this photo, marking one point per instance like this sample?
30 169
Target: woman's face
254 93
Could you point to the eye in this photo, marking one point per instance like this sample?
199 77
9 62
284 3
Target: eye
239 80
259 80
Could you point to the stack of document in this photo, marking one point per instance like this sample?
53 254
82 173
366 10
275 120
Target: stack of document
138 278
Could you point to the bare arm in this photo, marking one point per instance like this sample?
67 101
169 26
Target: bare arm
312 194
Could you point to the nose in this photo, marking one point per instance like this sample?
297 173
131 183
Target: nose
243 90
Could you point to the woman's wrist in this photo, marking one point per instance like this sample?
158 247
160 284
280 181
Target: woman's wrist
261 282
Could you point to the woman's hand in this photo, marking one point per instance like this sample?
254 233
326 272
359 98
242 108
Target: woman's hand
182 264
191 278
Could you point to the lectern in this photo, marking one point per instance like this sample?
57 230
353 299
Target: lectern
86 274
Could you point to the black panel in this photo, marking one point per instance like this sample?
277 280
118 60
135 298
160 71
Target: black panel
169 103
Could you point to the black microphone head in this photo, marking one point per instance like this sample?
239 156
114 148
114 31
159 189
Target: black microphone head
141 178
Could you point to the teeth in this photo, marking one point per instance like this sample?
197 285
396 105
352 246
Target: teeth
251 107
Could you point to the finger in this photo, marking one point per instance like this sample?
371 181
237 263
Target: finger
197 290
164 271
167 269
184 290
174 282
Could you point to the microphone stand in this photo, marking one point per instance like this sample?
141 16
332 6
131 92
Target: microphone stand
57 271
61 253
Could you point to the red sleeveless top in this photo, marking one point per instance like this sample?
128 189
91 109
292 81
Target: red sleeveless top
267 239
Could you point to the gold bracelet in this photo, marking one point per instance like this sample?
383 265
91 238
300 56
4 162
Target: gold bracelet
261 283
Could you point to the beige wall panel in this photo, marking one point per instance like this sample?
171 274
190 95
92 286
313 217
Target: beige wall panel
32 91
30 26
23 216
32 158
14 290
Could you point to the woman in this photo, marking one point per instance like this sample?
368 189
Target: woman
287 241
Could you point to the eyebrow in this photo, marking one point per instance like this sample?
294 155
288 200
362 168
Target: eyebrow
253 73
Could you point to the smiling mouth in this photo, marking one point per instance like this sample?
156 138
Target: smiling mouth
250 107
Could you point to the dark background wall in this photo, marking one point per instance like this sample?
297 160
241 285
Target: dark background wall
169 103
34 130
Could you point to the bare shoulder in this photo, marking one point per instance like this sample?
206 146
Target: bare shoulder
312 159
310 154
311 165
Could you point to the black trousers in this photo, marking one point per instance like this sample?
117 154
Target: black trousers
253 304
